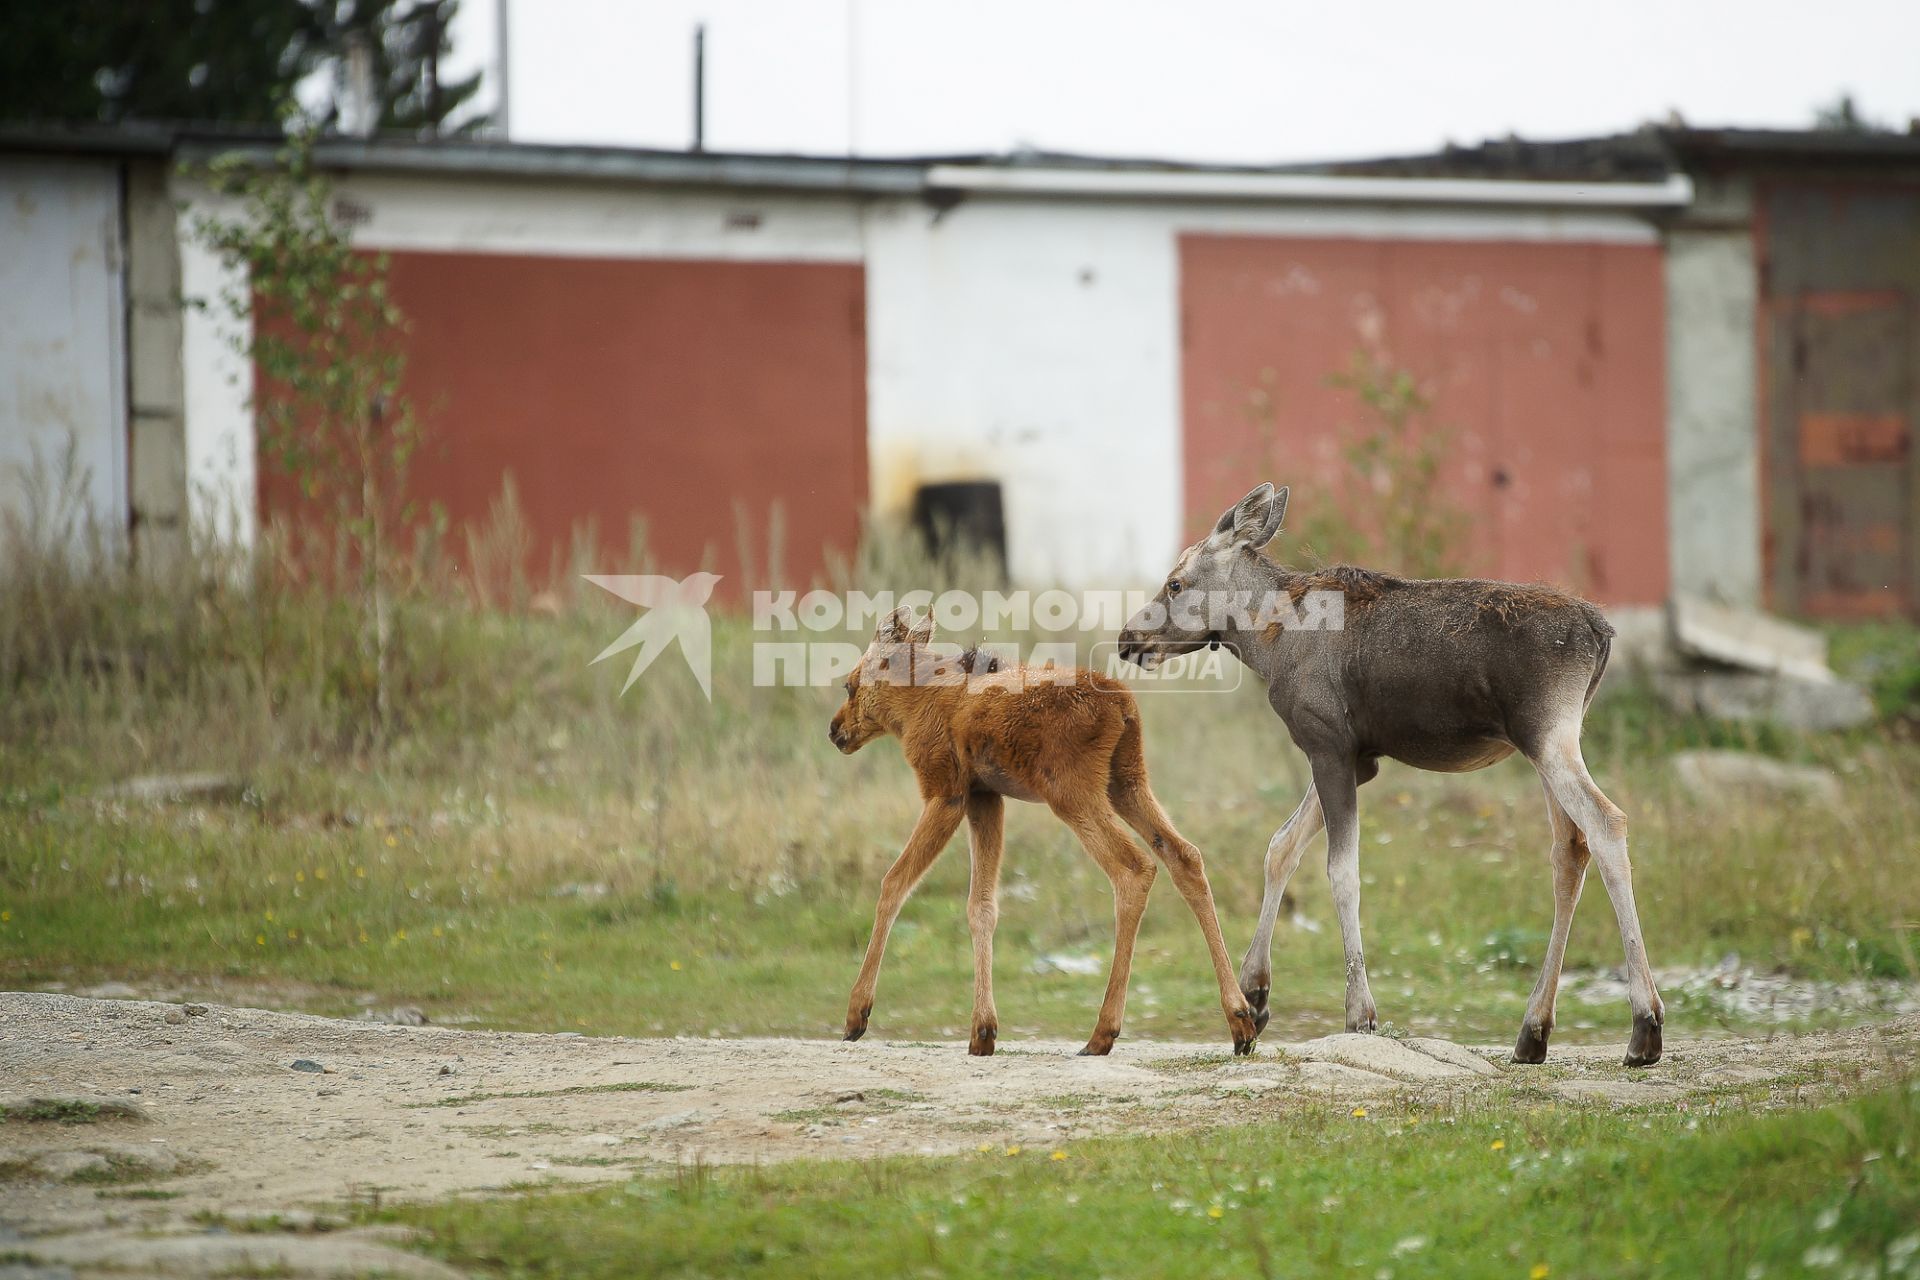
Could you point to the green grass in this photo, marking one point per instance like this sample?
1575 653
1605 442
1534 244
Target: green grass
523 847
1487 1191
65 1111
747 916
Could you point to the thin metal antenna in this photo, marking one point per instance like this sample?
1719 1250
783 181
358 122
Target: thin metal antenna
700 86
500 66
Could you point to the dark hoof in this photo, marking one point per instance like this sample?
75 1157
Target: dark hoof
1366 1025
1098 1047
981 1046
1256 999
1643 1050
1531 1047
1244 1028
857 1023
854 1033
1260 1017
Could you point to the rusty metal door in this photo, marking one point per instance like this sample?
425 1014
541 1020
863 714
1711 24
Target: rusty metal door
1841 385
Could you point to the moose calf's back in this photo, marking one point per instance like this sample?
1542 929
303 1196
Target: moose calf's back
1452 674
1036 734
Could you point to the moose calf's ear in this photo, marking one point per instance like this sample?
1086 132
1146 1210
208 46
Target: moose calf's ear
1254 519
894 627
921 633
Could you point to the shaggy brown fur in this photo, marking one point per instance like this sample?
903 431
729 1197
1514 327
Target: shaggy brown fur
978 732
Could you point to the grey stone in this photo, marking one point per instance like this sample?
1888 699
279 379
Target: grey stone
1747 639
163 788
1807 705
1732 776
1382 1056
31 1271
1454 1055
1617 1093
63 1166
307 1064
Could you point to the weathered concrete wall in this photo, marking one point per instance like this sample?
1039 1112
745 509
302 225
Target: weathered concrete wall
62 376
1713 438
156 384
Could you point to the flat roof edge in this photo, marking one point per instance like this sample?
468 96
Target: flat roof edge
594 165
1676 191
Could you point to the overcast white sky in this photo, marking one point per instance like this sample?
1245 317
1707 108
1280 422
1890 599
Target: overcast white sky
1226 80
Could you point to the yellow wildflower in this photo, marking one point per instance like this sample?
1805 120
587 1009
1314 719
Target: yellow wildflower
1540 1271
1013 1151
674 965
1058 1155
1359 1113
1215 1211
1499 1144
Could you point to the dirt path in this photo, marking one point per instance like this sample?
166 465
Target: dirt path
206 1105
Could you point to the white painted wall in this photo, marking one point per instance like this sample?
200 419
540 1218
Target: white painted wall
62 336
580 220
217 380
1036 342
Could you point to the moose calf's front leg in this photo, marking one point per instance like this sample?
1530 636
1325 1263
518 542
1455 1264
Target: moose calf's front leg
938 821
1283 858
1340 801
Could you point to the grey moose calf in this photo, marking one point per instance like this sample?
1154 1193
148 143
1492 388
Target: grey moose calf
1449 675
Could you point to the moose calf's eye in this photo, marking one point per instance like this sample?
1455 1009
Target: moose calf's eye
1173 589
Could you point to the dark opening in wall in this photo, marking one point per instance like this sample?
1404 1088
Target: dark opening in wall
963 519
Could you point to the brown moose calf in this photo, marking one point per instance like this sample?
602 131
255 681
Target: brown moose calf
1067 739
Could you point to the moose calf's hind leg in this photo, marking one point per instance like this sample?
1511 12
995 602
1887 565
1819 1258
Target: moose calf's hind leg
1605 828
1569 861
1144 814
985 814
1132 874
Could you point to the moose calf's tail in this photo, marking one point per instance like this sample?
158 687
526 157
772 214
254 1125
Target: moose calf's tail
1603 634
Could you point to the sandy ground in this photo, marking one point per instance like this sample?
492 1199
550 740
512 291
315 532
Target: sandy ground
218 1118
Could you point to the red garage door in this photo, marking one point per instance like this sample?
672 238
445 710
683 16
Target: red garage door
691 394
1544 362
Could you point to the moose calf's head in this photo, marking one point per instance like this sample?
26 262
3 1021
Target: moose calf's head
1192 604
888 662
